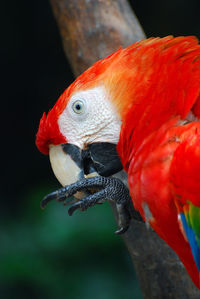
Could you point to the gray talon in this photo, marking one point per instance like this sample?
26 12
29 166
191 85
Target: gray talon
73 208
111 189
121 230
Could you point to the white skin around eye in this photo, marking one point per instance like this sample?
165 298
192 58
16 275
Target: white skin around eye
90 117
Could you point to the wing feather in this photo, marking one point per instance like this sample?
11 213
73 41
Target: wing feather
190 218
185 180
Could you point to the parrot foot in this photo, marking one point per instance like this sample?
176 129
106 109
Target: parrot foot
111 189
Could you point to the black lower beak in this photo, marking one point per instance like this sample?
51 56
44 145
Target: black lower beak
103 157
100 157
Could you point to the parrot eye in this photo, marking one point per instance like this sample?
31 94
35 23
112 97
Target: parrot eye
78 107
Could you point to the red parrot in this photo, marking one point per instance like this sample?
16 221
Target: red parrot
139 109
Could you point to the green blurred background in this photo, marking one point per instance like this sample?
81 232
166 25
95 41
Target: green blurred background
47 254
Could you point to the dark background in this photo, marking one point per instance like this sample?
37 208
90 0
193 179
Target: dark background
46 254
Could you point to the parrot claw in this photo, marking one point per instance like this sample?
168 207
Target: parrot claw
124 218
73 208
111 189
121 230
86 202
52 196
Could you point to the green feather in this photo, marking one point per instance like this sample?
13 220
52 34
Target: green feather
193 220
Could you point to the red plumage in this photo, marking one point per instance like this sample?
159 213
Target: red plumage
166 84
150 184
186 163
48 132
155 87
153 129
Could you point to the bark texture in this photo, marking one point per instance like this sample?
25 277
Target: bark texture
91 30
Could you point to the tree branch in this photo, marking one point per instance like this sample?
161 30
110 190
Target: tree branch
91 30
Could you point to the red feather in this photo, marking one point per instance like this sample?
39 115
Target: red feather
185 168
166 84
165 88
153 84
150 184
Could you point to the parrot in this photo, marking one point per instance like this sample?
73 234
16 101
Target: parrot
137 110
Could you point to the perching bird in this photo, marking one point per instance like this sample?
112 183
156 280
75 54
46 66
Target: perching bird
138 108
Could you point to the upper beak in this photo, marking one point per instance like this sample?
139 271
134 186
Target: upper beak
71 164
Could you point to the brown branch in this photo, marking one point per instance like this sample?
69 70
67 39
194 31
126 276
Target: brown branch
90 30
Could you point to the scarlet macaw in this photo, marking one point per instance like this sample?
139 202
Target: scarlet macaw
139 109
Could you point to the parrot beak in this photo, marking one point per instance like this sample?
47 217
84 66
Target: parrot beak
66 163
102 157
71 164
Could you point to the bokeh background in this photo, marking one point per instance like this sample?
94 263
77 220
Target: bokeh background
47 254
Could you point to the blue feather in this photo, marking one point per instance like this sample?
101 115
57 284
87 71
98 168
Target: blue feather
192 240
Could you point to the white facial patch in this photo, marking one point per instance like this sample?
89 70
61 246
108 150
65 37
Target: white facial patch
90 117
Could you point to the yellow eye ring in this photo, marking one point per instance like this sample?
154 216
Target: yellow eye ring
78 107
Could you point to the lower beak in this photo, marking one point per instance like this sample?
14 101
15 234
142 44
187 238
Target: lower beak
103 157
70 163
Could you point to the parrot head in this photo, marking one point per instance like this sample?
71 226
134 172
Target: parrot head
81 131
94 119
